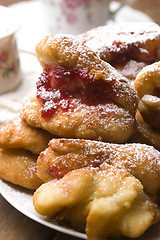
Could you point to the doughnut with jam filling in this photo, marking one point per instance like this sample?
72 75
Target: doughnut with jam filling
64 155
78 95
126 46
147 85
105 202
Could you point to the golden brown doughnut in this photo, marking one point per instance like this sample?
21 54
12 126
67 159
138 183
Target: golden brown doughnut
147 85
106 202
126 46
19 167
79 95
65 155
18 134
145 133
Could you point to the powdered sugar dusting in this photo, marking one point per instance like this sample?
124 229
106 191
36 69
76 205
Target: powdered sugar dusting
140 160
65 50
132 41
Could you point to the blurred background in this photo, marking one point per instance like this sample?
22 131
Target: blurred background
149 7
40 17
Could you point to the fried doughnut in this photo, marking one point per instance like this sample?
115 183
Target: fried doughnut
108 201
19 167
147 85
128 46
64 155
79 95
145 133
18 134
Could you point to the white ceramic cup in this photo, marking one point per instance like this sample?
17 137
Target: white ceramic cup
74 16
9 58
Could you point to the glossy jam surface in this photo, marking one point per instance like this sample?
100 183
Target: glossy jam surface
122 52
62 88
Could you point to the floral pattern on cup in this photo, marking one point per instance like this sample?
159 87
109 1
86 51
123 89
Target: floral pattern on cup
10 75
9 64
74 16
69 6
5 66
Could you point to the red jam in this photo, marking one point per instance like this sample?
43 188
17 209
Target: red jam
62 88
59 171
55 171
157 92
122 52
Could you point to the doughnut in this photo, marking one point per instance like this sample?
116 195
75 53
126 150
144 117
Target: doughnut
16 133
147 85
105 202
78 95
64 155
126 46
19 167
20 145
86 176
145 133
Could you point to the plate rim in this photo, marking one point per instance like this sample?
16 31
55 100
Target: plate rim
4 185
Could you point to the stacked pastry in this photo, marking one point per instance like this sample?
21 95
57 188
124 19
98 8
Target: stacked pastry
147 85
91 177
20 145
127 47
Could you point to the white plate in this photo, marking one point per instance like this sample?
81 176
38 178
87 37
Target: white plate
21 199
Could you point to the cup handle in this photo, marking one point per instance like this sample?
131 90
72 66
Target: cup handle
121 5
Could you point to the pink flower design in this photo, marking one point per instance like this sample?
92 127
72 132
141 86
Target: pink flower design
5 67
51 1
68 6
73 4
4 56
71 18
63 7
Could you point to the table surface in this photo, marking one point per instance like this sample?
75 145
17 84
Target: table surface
14 225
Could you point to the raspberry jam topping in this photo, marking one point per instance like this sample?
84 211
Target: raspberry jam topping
123 52
62 88
58 171
55 171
